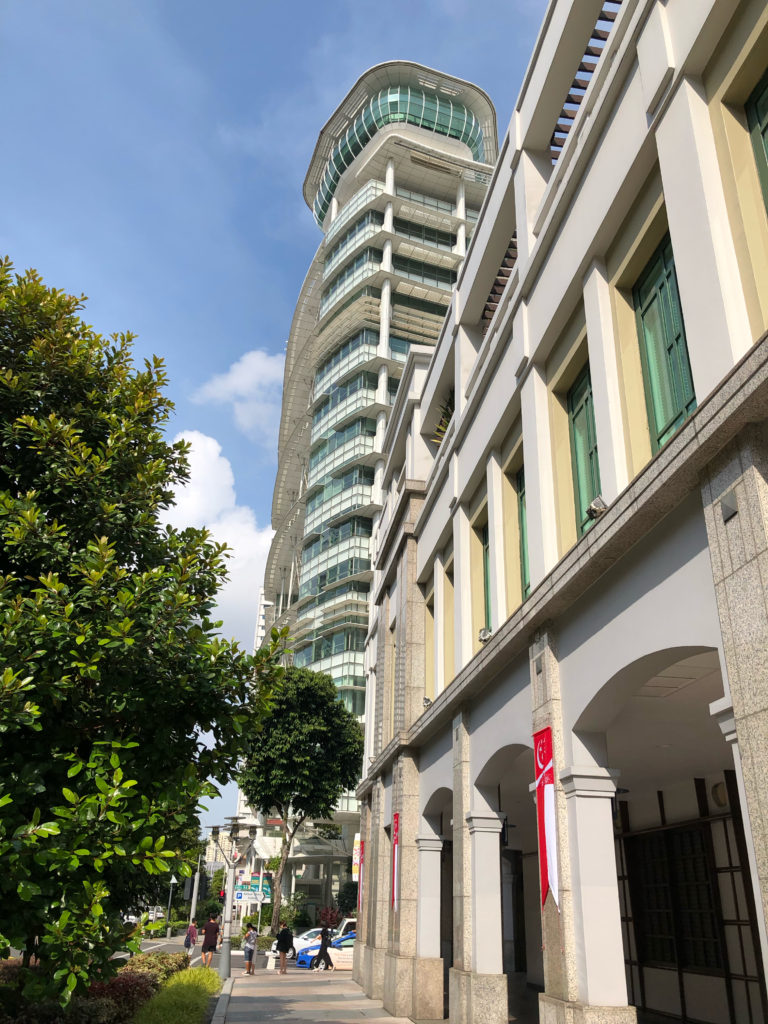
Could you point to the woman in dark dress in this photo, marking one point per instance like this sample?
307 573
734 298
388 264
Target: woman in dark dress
323 955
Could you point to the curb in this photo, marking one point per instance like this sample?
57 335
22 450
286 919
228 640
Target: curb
222 1004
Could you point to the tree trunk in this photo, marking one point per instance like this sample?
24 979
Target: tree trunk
277 881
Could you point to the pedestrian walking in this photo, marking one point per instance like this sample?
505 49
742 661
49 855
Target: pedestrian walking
284 943
211 939
190 939
323 956
249 948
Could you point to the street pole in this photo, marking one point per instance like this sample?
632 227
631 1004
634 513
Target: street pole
226 941
195 888
168 914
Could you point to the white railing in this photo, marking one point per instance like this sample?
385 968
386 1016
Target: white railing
357 203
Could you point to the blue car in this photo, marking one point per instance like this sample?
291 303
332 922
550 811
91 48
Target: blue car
343 946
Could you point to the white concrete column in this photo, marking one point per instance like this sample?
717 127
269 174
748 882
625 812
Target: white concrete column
494 484
606 390
386 258
377 495
381 391
439 631
539 478
484 831
530 180
712 298
462 584
388 217
599 948
428 896
461 211
385 314
389 177
333 211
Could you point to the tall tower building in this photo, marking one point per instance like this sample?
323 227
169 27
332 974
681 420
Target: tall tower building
396 182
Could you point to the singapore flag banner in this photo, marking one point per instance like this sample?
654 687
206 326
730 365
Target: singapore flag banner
395 860
545 813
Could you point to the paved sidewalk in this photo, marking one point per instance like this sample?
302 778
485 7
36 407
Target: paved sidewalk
300 997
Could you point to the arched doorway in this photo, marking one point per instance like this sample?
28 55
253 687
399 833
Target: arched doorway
437 822
691 946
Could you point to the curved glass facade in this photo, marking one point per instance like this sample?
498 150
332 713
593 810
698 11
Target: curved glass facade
398 103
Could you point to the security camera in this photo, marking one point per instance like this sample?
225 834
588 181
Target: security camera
427 702
484 635
596 508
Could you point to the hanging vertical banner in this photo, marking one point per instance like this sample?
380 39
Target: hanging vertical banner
395 859
545 814
361 876
356 858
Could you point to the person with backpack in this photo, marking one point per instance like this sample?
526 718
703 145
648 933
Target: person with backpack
190 938
284 943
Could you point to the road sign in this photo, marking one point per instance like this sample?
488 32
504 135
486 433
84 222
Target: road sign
259 897
238 895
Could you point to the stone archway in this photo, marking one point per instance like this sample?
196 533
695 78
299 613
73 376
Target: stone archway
691 947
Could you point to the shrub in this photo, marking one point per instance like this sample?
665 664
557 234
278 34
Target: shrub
160 965
184 1000
236 941
264 943
127 991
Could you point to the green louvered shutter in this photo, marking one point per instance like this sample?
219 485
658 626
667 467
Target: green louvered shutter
669 394
586 469
484 539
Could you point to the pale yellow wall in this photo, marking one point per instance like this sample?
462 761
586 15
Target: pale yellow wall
564 364
642 231
512 462
739 64
429 648
448 629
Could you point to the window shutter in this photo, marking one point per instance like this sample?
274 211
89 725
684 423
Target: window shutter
586 470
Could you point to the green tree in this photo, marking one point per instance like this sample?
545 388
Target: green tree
308 752
112 669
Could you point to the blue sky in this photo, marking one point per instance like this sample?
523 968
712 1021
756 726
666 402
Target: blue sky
154 156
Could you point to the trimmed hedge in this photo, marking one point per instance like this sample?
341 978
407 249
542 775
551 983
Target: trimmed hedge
183 1000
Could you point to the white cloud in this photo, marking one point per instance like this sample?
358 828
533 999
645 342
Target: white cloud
209 499
253 386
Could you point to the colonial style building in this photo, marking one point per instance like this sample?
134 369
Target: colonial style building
567 728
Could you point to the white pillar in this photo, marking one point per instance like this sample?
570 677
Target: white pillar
334 210
496 560
539 478
599 947
389 177
428 896
439 625
531 177
388 218
606 390
386 258
385 314
714 308
381 388
484 831
461 212
462 594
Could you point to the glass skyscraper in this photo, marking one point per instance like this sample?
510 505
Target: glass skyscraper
395 183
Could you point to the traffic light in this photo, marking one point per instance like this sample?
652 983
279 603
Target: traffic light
202 889
188 884
222 895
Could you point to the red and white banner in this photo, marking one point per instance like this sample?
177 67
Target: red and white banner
545 814
360 875
395 860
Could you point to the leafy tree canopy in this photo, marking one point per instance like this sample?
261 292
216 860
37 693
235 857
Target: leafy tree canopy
309 751
112 669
